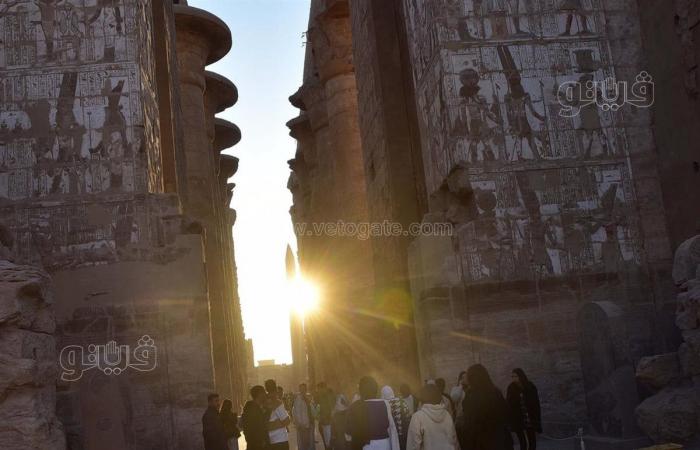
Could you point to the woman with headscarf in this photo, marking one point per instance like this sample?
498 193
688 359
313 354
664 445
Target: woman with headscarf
485 413
229 420
370 422
339 424
400 413
525 413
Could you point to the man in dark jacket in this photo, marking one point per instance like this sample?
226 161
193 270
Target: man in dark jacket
255 420
212 428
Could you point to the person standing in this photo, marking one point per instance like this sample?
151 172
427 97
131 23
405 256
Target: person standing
278 418
446 400
399 411
407 396
229 420
326 403
457 397
370 423
255 420
525 411
304 420
212 427
431 427
339 438
485 413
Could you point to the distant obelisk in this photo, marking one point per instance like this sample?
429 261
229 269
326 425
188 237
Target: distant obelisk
296 326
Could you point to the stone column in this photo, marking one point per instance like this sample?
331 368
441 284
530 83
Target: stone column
346 270
220 95
202 39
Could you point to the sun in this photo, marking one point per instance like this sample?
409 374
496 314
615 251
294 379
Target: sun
304 295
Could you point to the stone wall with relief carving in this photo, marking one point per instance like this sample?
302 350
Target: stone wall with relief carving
76 102
553 188
556 201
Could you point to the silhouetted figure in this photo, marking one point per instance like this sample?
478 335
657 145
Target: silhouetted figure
326 402
254 420
400 413
431 426
485 413
339 424
370 423
278 418
303 416
212 427
407 396
446 400
457 397
525 413
229 420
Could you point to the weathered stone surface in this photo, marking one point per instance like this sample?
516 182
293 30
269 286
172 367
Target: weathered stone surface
673 413
688 308
28 361
689 359
686 261
670 416
25 297
658 371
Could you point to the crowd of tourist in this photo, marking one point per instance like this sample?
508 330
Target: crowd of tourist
472 415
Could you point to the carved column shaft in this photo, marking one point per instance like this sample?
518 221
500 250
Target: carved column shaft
202 39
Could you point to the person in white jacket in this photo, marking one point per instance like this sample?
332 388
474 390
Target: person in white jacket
432 427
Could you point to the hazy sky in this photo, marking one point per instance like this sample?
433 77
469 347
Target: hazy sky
266 64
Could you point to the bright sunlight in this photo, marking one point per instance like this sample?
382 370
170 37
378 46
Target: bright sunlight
304 295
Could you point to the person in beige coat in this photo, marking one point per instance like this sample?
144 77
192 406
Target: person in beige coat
432 427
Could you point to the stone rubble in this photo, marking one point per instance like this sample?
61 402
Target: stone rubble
672 414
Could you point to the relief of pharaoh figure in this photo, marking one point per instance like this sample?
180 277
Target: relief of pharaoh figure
475 117
70 30
110 28
585 100
47 10
497 11
518 103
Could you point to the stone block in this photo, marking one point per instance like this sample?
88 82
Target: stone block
686 260
658 371
602 443
669 416
688 309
